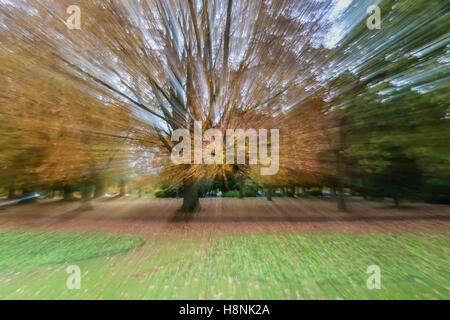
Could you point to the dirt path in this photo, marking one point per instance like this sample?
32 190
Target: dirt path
222 216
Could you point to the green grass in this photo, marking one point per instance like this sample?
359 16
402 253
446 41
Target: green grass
263 266
36 248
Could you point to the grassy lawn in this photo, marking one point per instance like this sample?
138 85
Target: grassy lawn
38 248
263 266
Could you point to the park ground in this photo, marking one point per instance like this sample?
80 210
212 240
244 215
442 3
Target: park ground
289 248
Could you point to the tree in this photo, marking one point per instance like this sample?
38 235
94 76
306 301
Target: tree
176 62
387 106
54 136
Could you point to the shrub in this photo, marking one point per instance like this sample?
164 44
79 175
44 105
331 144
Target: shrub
231 194
160 193
315 193
249 193
438 190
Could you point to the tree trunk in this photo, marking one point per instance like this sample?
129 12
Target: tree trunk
291 192
68 193
341 167
342 206
241 188
396 201
122 188
11 193
269 193
99 189
86 192
190 195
